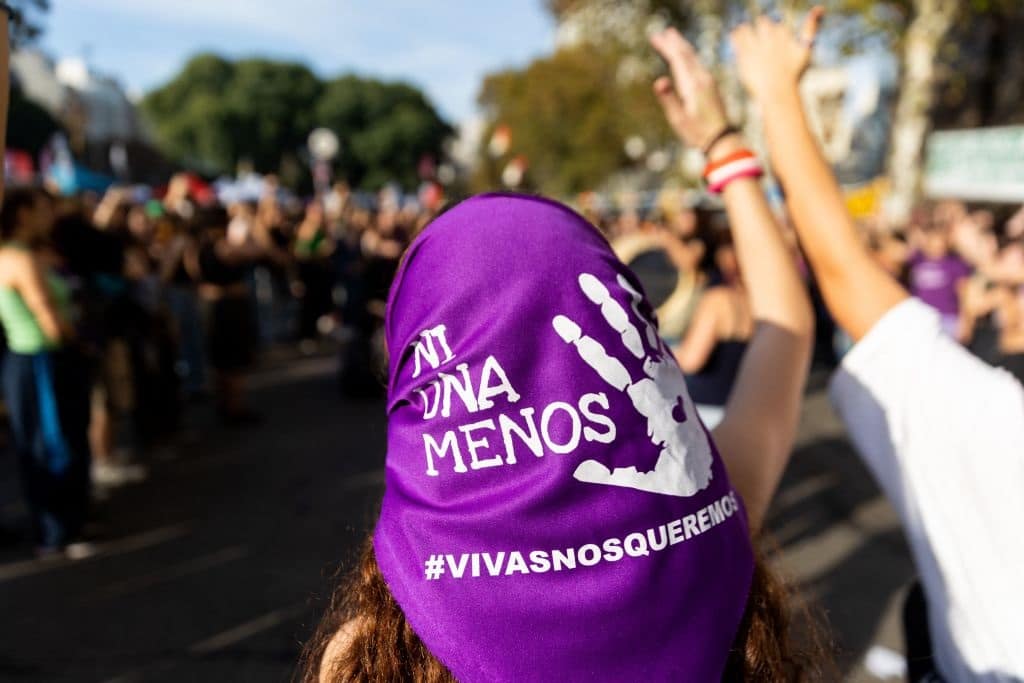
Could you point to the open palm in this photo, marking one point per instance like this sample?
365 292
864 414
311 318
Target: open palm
683 466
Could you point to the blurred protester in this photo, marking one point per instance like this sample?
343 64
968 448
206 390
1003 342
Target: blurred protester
274 231
695 611
338 201
671 259
942 431
44 383
688 252
113 316
140 377
177 199
890 250
313 249
224 265
153 342
242 224
179 273
993 318
95 259
936 274
992 311
355 375
626 223
381 246
712 352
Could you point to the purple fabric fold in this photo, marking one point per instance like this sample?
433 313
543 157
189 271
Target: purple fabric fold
554 509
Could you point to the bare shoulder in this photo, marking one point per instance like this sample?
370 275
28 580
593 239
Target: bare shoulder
15 265
714 300
337 648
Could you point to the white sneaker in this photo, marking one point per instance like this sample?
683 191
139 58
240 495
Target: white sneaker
113 475
80 551
108 474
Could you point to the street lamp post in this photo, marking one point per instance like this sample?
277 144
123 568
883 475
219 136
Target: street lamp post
324 147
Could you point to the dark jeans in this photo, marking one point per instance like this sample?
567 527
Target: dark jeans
184 305
48 402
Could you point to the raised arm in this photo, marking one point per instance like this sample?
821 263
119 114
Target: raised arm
856 289
756 436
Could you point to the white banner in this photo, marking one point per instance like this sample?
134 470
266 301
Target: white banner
982 164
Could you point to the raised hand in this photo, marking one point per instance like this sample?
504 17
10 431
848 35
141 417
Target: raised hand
770 57
683 466
689 98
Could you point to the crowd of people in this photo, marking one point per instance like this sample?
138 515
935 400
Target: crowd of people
964 260
143 306
120 311
605 544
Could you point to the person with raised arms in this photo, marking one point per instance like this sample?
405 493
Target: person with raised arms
942 431
565 514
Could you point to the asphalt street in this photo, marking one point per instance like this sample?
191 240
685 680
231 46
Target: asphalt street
217 566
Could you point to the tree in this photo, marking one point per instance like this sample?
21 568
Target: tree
932 21
571 113
217 113
929 38
385 128
921 29
569 117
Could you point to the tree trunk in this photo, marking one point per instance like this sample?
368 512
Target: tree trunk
932 21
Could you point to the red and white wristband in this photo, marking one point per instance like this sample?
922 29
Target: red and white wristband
740 164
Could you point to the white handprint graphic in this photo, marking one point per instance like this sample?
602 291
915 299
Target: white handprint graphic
684 464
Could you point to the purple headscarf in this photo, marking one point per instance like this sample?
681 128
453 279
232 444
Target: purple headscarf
554 508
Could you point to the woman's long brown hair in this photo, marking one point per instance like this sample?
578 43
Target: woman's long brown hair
381 647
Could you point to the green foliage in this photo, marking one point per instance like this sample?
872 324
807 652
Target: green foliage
570 118
893 15
671 9
386 128
217 113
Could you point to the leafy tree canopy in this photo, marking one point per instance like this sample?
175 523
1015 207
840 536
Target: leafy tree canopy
569 117
386 128
217 113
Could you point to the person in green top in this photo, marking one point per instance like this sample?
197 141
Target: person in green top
44 387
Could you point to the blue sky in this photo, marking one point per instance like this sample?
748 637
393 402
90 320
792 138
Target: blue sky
444 47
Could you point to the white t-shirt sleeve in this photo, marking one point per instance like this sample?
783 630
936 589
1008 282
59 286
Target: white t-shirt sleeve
943 434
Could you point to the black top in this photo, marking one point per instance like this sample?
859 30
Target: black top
713 384
216 271
985 342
